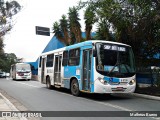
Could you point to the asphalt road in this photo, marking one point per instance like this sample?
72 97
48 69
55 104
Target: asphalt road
36 97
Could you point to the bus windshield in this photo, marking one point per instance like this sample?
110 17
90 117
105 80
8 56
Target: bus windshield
23 68
115 60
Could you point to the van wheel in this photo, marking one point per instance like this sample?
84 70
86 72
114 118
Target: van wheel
48 83
75 88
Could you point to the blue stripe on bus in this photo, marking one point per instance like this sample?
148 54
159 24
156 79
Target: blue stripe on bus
110 79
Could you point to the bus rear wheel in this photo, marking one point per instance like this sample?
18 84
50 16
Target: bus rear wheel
75 88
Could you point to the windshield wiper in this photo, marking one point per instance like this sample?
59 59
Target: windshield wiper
113 67
117 63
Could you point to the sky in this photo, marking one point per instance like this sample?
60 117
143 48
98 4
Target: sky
22 39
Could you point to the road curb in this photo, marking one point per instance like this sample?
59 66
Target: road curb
11 106
146 96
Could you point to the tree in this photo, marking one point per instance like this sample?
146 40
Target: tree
134 22
58 31
64 27
7 61
1 46
7 10
61 30
90 19
102 32
74 25
68 30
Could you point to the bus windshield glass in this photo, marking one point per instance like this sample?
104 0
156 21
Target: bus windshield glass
115 60
23 68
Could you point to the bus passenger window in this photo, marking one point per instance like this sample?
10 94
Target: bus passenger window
49 62
74 56
65 58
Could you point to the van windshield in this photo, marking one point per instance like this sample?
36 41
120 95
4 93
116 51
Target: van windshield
23 67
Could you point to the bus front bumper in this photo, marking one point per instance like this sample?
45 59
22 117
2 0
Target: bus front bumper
101 88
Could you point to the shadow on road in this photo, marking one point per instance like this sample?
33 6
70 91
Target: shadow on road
95 96
20 80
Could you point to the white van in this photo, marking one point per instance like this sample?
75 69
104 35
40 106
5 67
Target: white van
20 71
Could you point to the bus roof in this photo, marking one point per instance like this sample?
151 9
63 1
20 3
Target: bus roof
89 42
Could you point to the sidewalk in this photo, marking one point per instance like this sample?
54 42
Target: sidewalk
6 105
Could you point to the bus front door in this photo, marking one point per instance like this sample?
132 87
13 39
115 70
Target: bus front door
86 77
57 70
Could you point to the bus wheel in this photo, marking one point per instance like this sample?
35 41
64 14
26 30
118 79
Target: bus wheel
48 83
75 88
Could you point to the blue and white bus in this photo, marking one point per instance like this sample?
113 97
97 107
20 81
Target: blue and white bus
95 66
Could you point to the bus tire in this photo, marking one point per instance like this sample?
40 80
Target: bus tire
75 88
48 83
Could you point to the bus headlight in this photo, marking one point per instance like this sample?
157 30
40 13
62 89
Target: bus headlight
102 81
132 82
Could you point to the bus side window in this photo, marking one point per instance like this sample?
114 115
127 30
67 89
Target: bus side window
74 57
49 62
65 58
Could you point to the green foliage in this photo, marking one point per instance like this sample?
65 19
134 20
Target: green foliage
57 30
1 46
103 32
74 25
64 28
68 30
73 17
7 10
134 22
6 60
90 19
61 30
64 22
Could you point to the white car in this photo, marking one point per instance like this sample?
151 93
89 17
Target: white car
7 74
2 75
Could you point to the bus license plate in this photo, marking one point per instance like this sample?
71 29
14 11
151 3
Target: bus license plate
120 88
124 80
